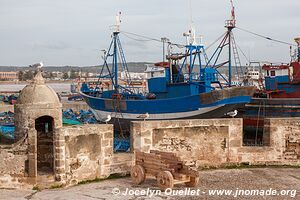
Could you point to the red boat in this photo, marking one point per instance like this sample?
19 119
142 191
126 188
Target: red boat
280 97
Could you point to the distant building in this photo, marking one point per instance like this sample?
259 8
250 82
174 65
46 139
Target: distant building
8 76
154 71
57 74
132 75
90 74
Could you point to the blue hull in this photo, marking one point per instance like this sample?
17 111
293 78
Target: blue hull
171 108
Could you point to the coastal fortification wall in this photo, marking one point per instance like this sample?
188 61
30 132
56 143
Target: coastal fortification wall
81 153
219 142
202 142
86 152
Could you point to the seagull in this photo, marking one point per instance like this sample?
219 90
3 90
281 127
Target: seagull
37 65
108 118
143 116
232 113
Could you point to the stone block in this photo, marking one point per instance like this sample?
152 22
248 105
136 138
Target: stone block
106 161
59 135
59 163
108 135
60 156
146 148
59 150
146 133
32 148
235 143
108 152
59 170
147 141
105 142
59 143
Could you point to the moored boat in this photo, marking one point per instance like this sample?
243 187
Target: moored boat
280 96
188 89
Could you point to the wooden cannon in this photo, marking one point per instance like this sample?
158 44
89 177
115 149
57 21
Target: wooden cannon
165 167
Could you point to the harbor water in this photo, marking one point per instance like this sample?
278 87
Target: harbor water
58 87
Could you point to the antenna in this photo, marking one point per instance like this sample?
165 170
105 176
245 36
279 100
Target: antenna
191 14
231 23
191 34
118 23
232 10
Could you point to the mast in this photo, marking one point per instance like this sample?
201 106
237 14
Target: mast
227 41
297 40
115 52
164 41
193 50
230 24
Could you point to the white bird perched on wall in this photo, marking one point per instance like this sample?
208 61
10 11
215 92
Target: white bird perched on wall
38 66
108 118
143 116
232 113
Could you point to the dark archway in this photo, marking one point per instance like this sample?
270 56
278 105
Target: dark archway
45 155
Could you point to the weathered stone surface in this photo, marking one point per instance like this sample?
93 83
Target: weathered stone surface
73 153
88 149
86 152
214 142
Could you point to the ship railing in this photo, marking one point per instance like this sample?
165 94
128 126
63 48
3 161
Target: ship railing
230 23
133 90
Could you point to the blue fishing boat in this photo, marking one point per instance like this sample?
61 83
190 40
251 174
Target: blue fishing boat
190 88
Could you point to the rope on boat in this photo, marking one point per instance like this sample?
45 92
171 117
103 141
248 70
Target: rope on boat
263 103
139 40
257 123
243 53
219 38
266 37
147 39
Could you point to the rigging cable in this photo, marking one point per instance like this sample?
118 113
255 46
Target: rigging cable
243 53
147 39
139 40
219 38
267 38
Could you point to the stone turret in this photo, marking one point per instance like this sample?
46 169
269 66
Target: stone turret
38 117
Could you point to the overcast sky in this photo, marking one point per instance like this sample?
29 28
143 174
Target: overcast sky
71 32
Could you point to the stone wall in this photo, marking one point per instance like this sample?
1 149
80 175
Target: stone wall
217 142
88 152
13 165
202 142
285 133
80 153
13 160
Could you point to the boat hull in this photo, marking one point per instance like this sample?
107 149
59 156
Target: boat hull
204 113
273 107
206 105
260 108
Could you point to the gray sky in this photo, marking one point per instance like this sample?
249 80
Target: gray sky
71 32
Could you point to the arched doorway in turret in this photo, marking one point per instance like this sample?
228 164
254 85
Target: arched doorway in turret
45 156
